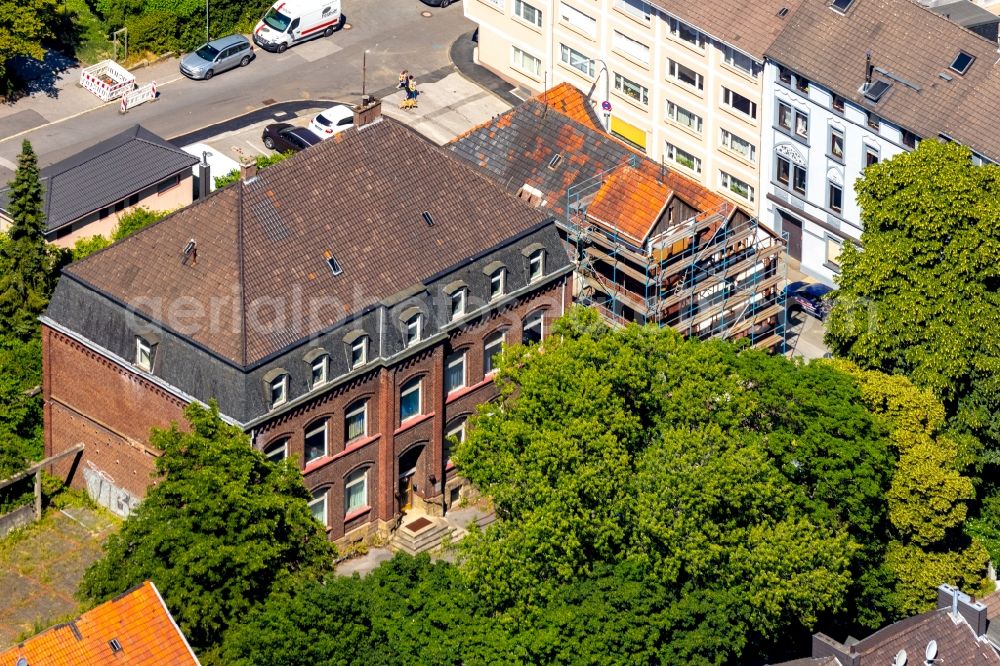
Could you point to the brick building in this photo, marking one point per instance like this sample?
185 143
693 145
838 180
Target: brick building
343 307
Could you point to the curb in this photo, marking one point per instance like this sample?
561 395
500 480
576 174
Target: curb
148 63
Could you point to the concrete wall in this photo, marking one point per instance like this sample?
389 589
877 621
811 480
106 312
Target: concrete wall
19 517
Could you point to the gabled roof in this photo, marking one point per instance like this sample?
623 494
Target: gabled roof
570 101
139 623
520 147
107 172
957 642
916 46
263 244
748 26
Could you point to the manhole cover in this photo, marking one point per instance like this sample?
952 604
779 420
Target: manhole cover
269 102
418 524
347 26
426 14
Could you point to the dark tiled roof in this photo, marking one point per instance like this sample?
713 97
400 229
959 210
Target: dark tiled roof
358 197
813 661
107 172
517 147
748 26
957 643
914 44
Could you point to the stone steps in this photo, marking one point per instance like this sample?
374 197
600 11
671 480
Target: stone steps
419 535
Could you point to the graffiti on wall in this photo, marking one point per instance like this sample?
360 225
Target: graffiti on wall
102 489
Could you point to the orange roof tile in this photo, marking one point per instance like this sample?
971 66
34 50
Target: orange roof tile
570 101
138 620
630 202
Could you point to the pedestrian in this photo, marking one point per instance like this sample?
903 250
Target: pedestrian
411 93
403 78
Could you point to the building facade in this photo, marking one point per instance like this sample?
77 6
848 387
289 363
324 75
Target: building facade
683 83
352 334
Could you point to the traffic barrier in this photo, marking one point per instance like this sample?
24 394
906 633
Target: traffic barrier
107 79
138 96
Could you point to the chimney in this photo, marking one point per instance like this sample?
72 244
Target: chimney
868 70
248 169
368 112
204 176
962 605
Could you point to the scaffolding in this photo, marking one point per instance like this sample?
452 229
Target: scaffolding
716 274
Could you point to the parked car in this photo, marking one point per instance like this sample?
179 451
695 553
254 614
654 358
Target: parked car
332 121
438 3
217 56
810 297
284 137
289 22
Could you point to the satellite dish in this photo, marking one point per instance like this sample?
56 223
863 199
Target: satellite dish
931 651
900 659
22 661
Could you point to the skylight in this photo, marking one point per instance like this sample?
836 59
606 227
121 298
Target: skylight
554 162
877 90
842 5
782 12
962 62
334 265
427 218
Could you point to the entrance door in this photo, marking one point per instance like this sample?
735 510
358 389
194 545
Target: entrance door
793 227
406 492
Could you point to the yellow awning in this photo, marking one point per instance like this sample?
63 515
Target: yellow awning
629 132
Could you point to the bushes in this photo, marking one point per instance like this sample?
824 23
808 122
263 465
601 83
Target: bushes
156 32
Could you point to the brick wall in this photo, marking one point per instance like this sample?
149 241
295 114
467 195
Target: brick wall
93 400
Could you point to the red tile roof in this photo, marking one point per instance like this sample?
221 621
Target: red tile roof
570 101
631 202
138 620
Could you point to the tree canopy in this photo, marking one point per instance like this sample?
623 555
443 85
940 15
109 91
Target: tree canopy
221 531
922 297
24 26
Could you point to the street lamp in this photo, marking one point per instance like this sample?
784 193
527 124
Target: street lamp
607 91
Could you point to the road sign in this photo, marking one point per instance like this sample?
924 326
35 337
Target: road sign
606 105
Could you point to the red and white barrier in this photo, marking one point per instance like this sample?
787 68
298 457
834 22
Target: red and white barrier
138 96
107 79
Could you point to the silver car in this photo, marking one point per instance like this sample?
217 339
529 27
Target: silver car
217 56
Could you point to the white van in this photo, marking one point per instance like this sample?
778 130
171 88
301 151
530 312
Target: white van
289 22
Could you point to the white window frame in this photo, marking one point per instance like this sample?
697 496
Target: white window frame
455 434
359 345
536 266
272 450
413 330
631 47
522 11
351 412
836 133
577 19
322 363
523 61
576 60
677 28
677 114
278 385
453 361
323 426
730 141
674 74
798 121
457 301
405 392
638 9
498 283
729 182
495 340
687 160
534 320
830 186
833 258
794 170
319 499
741 61
728 96
355 478
624 84
143 354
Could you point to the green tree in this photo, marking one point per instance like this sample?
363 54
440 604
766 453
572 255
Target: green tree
707 467
85 247
920 299
28 266
262 162
20 407
222 530
138 219
23 29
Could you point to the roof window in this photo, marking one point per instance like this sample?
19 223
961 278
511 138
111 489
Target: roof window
842 5
876 91
962 62
783 12
427 218
554 162
115 645
332 262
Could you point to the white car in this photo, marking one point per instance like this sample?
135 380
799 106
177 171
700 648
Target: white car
332 121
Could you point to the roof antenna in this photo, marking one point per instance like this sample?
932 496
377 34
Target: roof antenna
190 252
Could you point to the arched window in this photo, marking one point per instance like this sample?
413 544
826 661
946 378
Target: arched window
316 440
356 491
317 506
356 421
277 451
531 328
410 399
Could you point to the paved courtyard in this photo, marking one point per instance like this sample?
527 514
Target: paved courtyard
41 568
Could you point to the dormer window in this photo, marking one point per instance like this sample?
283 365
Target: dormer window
414 330
536 265
359 352
320 370
498 283
279 390
457 303
143 354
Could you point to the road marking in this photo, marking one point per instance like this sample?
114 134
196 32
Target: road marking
247 141
7 163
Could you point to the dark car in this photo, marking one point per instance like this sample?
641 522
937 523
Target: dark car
809 297
284 137
438 3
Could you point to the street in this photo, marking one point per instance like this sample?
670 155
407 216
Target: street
396 34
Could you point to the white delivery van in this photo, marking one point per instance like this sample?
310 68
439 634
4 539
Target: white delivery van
289 22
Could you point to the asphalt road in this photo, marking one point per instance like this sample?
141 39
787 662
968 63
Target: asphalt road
396 34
